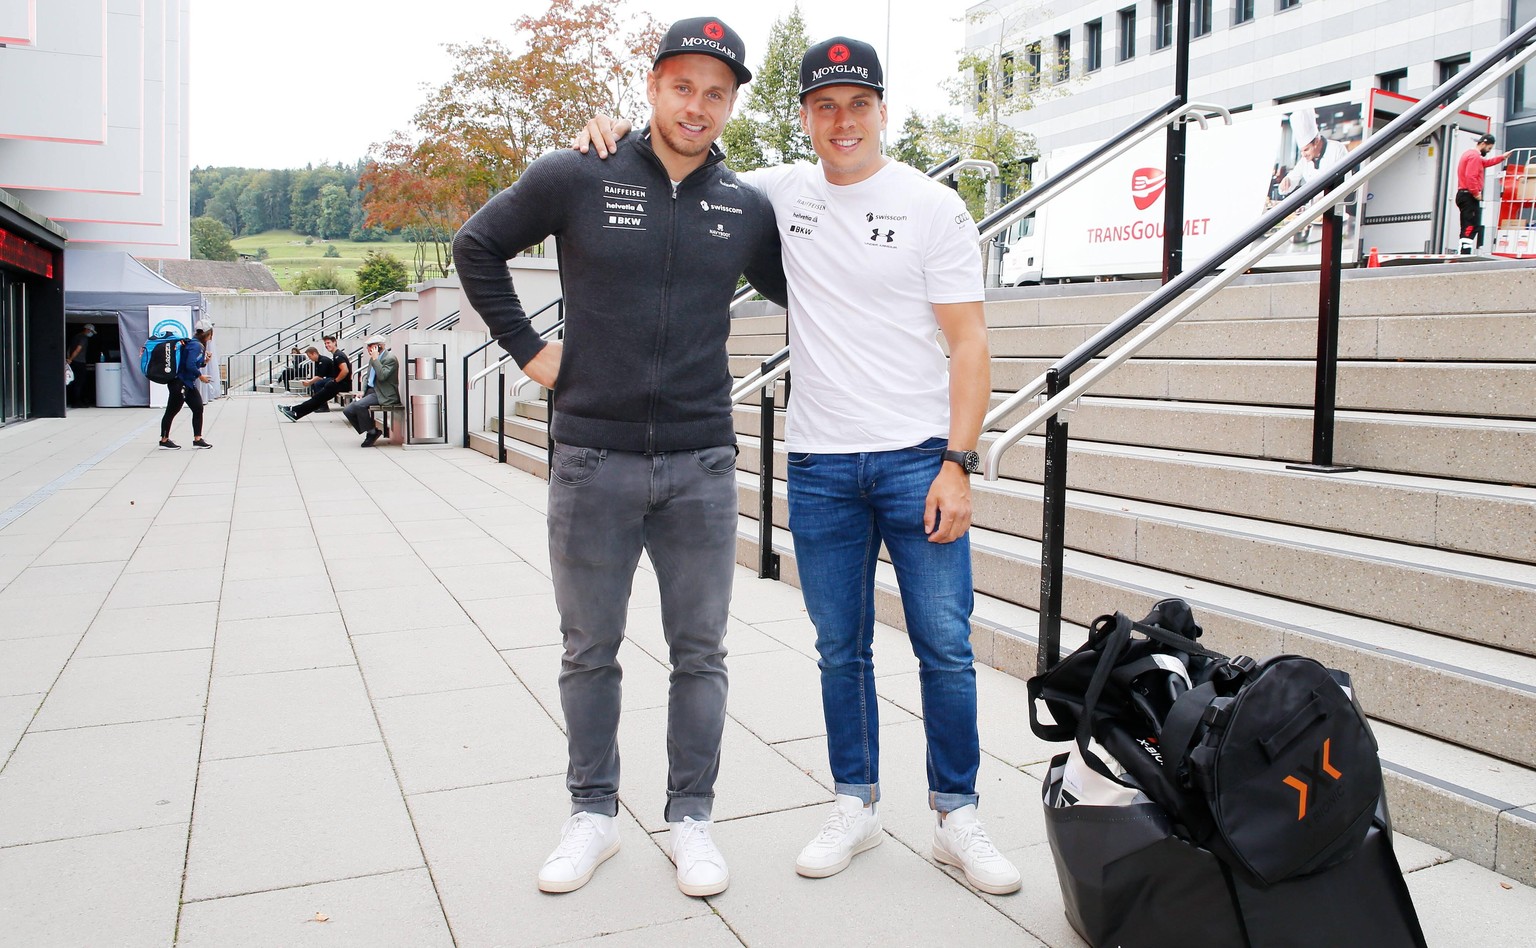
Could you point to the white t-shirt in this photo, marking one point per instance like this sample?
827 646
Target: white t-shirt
865 263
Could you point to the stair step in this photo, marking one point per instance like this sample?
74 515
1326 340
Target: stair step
1489 519
1495 450
1492 336
1480 389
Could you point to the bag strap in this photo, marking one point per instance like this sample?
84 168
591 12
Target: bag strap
1040 685
1179 726
1114 645
1174 640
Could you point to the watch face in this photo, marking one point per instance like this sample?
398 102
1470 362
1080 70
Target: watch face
972 462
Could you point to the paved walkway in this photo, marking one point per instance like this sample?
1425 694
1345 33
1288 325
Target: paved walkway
290 692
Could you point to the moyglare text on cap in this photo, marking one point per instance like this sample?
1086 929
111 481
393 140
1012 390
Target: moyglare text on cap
706 36
841 61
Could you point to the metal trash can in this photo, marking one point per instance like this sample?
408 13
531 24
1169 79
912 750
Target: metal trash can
427 418
425 368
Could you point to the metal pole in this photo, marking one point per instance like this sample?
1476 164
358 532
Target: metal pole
1052 531
1173 190
1325 395
467 392
767 559
501 417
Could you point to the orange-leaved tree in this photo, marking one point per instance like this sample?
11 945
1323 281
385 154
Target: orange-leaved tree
476 133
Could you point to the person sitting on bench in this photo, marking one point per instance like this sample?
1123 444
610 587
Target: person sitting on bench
333 374
383 390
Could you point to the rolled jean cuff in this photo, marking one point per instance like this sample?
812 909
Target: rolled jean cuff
683 805
949 802
868 792
604 806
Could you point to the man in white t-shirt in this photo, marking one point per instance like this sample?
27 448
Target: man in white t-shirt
881 438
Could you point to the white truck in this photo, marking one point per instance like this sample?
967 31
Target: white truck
1110 225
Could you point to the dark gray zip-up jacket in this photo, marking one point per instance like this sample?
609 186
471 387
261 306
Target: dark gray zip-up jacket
648 278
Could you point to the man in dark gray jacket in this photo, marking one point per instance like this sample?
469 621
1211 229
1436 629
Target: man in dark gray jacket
651 244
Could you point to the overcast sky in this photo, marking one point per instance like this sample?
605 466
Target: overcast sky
283 83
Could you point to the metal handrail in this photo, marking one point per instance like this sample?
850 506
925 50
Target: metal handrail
1389 144
1145 127
772 369
557 304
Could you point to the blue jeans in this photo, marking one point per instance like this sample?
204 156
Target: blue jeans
841 507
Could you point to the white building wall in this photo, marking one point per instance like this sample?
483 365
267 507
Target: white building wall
112 168
1278 54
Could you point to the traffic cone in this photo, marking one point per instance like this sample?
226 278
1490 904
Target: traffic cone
1375 260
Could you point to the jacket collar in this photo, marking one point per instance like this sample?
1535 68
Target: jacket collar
642 140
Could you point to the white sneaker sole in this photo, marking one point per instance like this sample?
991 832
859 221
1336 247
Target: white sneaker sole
562 885
991 888
700 891
821 872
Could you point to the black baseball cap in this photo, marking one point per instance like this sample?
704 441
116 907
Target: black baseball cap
1485 139
841 61
706 36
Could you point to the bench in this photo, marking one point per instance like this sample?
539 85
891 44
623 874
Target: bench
385 413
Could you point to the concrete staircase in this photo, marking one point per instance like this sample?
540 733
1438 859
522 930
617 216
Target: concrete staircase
1417 573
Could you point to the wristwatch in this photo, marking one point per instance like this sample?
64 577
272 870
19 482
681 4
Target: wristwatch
969 461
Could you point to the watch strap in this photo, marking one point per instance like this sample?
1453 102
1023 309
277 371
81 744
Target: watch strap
966 459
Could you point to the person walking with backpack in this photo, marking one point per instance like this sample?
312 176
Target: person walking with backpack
183 390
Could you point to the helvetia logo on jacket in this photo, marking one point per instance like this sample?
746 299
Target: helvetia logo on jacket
1147 186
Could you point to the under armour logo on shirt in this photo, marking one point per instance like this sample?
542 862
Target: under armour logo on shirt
890 235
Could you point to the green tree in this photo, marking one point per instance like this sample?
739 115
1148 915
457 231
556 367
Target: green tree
916 146
766 130
211 240
381 273
322 278
335 212
331 251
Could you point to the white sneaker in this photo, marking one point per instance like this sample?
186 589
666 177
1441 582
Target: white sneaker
960 841
701 869
851 829
586 840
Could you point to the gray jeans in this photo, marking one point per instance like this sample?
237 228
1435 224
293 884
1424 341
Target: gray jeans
604 508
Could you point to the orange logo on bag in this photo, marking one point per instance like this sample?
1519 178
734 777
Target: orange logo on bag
1324 766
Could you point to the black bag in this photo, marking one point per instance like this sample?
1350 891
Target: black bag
1129 880
1283 761
1265 794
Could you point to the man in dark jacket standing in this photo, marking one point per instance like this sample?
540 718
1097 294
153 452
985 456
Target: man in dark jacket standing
651 243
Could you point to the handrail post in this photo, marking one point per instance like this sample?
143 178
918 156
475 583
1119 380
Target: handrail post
1174 164
467 392
1052 529
767 559
1325 394
501 417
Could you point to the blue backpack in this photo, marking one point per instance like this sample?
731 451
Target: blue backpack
160 359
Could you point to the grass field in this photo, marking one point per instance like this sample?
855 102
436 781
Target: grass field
288 256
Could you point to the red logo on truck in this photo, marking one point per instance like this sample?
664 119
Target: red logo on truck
1147 186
